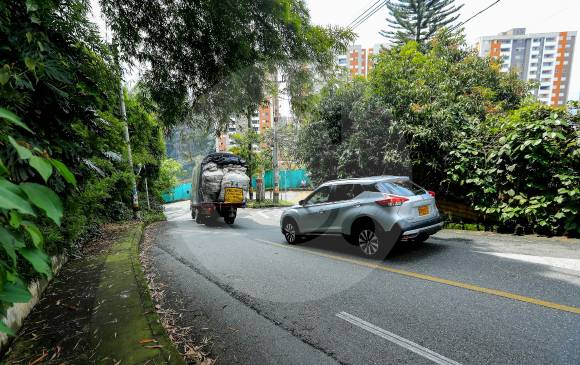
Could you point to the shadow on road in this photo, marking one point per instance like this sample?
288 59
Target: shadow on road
400 252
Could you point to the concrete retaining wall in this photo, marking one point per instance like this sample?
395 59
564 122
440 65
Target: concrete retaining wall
19 311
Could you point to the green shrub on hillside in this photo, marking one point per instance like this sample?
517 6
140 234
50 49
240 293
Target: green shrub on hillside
523 169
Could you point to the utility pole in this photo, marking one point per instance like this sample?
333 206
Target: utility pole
250 172
276 196
147 194
134 194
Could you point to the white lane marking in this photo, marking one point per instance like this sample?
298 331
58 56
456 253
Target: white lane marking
396 339
559 262
263 214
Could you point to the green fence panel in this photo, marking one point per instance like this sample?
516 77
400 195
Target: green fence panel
289 179
180 192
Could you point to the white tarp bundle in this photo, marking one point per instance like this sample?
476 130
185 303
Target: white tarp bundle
234 177
214 180
211 182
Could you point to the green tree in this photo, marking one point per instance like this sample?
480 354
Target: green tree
168 176
258 159
419 20
409 115
61 78
227 51
434 96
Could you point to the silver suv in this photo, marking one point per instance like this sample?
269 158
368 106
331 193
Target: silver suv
373 213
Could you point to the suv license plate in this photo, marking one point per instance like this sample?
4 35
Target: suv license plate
423 210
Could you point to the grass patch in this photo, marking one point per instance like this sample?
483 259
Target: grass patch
151 216
465 226
268 203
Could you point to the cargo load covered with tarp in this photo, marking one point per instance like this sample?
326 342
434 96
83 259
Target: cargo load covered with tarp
220 178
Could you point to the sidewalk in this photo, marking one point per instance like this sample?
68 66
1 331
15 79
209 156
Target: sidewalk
97 310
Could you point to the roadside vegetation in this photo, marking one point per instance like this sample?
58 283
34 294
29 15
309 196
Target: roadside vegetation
456 124
63 159
269 203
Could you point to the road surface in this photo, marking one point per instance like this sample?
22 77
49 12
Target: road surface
460 297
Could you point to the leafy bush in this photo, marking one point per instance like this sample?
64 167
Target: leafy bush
60 77
22 203
523 169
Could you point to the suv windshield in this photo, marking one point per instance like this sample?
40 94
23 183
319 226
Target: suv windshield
400 187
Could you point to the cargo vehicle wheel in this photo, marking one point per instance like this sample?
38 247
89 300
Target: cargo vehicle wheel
193 211
369 241
230 220
199 218
290 230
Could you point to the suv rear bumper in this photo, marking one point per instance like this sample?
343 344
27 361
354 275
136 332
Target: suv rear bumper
413 230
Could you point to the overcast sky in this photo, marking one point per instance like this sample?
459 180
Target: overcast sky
537 16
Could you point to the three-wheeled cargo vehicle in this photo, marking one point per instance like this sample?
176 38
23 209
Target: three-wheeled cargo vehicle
219 187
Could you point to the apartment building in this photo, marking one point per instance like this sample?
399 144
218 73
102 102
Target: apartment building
359 60
545 58
261 120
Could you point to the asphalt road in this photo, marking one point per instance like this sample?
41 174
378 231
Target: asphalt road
460 297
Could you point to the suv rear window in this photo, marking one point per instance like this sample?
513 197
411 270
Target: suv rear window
400 187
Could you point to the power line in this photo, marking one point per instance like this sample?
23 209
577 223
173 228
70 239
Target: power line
369 13
362 14
375 10
474 15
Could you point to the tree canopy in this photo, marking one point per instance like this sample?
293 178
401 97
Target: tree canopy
195 48
419 20
409 114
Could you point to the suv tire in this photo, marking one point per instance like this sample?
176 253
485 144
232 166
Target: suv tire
291 233
370 240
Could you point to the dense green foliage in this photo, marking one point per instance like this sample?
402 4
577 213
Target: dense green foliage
523 170
408 115
216 57
419 20
23 204
59 77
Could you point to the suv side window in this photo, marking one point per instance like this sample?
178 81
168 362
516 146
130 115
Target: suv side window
357 189
341 192
319 196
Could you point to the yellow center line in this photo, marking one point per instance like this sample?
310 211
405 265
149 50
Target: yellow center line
458 284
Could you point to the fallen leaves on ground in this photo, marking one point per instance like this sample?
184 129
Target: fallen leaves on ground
193 353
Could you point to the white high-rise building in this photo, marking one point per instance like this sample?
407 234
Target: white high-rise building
542 57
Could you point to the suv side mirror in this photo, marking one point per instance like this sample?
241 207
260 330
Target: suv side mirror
302 202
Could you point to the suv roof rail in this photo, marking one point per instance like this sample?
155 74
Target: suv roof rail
368 178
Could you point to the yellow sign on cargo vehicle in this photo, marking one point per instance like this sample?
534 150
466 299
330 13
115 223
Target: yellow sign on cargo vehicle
233 195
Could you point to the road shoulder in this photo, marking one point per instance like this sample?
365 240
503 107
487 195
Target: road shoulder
97 310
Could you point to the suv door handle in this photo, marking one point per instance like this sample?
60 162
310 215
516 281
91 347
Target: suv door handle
321 212
357 205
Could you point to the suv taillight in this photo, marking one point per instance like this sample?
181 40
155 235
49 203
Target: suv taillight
432 193
392 201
